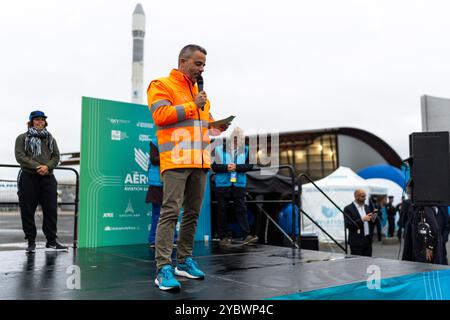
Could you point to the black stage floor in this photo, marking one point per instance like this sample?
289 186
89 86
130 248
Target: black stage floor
127 272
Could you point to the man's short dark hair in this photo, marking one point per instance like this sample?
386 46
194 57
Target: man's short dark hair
188 50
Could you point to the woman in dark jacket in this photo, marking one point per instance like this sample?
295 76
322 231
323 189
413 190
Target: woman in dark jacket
37 153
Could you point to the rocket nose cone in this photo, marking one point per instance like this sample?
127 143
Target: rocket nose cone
139 10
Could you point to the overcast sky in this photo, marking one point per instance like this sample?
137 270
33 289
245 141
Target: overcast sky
286 65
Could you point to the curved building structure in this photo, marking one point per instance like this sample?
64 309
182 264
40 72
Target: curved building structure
320 152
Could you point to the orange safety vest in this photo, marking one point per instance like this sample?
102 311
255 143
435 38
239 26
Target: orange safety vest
182 130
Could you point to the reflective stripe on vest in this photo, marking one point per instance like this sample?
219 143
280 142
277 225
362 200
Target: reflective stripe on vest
158 104
185 123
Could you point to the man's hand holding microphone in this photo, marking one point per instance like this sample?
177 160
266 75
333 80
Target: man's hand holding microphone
200 100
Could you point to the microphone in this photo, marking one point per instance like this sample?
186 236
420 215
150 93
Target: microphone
200 85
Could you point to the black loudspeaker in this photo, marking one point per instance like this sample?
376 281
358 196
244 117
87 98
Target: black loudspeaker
430 168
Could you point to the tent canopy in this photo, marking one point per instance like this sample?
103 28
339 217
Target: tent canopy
393 188
346 178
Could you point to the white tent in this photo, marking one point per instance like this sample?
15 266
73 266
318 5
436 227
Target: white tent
393 188
340 187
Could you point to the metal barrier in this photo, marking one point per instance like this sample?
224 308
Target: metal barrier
296 242
75 203
293 238
304 175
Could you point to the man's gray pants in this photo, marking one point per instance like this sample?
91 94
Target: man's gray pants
182 188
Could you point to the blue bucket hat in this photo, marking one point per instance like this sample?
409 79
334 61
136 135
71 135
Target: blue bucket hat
36 114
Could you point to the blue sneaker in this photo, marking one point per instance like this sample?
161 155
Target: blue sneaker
189 269
165 279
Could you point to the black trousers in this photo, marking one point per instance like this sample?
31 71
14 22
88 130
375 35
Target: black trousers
34 189
237 194
362 249
378 226
391 225
257 225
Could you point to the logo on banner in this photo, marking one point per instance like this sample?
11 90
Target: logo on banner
144 125
137 181
130 211
145 138
117 135
142 159
118 121
329 212
129 208
124 228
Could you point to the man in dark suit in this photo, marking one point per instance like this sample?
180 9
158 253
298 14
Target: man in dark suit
360 223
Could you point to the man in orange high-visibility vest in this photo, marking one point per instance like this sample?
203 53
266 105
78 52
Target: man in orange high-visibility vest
181 115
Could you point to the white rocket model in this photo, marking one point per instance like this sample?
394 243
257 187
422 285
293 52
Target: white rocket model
137 77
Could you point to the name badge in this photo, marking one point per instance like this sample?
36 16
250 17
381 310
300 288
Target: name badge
359 231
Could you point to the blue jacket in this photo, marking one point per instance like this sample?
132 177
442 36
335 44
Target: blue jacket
223 176
285 219
154 175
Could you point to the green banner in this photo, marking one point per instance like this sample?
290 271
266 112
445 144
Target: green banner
114 159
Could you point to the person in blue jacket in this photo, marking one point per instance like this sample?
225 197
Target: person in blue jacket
231 163
155 190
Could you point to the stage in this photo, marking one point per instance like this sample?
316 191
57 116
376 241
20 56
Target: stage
240 273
